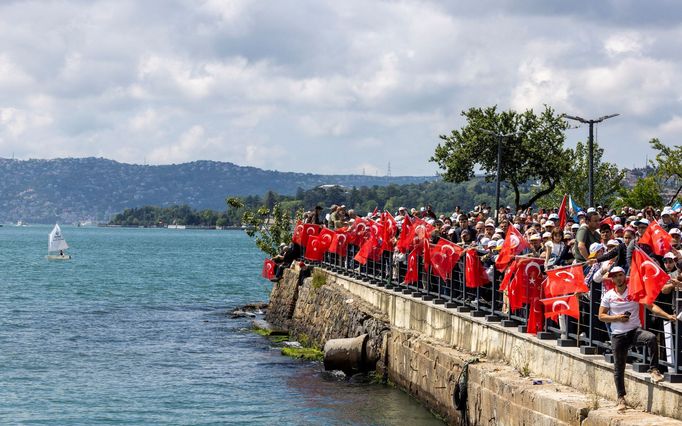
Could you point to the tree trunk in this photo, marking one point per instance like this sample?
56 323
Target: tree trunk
540 194
675 196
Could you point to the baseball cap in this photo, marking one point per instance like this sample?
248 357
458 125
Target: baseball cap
595 247
534 237
549 223
675 231
612 243
669 255
642 222
616 269
547 235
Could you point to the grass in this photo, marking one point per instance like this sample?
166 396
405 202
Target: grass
319 278
278 339
309 354
261 331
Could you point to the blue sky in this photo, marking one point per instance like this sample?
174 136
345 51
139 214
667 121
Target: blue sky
322 86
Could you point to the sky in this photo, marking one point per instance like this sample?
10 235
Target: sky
339 87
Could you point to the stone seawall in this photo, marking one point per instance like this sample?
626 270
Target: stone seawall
423 347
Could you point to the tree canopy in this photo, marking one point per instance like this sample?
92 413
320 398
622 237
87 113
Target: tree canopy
669 162
535 153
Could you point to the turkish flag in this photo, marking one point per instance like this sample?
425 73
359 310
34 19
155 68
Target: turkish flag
390 227
405 239
527 282
420 230
339 242
370 249
309 230
657 238
562 305
269 269
412 274
314 249
508 276
563 213
514 243
567 280
358 231
298 233
326 237
475 274
646 278
536 320
444 257
426 254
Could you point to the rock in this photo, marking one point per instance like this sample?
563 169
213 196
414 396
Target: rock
292 344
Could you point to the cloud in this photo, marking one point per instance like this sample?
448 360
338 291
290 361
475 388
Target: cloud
357 84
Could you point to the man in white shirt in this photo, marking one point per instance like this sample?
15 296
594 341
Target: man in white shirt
623 313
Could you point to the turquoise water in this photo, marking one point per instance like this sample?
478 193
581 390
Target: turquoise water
135 330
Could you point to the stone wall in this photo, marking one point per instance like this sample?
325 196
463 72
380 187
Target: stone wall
422 348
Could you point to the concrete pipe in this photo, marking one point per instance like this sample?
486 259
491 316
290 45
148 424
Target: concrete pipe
347 355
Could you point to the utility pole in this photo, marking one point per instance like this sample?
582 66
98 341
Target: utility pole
590 151
500 137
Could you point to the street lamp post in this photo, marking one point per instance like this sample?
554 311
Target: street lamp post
500 137
590 152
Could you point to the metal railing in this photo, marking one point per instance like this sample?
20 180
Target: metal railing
588 333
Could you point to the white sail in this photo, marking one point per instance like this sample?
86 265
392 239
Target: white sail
56 241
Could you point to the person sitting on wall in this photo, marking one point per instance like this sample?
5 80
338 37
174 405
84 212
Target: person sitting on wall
622 313
287 254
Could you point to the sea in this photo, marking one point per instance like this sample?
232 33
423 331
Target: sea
136 329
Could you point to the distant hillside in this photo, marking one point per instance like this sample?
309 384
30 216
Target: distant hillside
72 189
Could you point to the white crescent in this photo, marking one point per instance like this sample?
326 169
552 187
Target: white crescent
514 241
299 229
420 231
268 266
360 229
448 249
567 273
532 265
327 238
559 303
375 229
341 239
653 266
310 231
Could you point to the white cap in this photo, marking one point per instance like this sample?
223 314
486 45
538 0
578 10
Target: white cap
554 216
675 231
666 211
547 235
616 269
575 226
642 222
549 223
534 237
568 235
669 255
497 237
618 227
517 226
485 241
491 244
612 243
499 231
595 247
591 209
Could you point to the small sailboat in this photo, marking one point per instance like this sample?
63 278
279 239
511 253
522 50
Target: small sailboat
56 245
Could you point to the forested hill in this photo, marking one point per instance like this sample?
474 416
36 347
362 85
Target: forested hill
73 189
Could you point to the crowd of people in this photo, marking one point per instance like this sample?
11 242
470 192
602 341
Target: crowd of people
601 239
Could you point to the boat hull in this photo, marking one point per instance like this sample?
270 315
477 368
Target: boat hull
58 257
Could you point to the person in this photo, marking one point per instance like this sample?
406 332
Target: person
617 309
587 235
555 250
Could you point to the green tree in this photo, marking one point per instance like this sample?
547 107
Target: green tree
668 162
536 154
646 192
607 179
268 227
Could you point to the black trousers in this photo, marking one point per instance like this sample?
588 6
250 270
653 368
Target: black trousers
621 344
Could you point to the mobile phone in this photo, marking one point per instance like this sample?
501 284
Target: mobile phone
627 313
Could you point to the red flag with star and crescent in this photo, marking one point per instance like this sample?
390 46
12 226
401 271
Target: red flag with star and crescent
339 242
562 305
269 269
536 318
444 257
426 254
475 274
646 278
390 229
527 282
326 237
370 249
314 249
567 280
657 238
309 230
412 275
420 230
514 244
298 233
508 276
